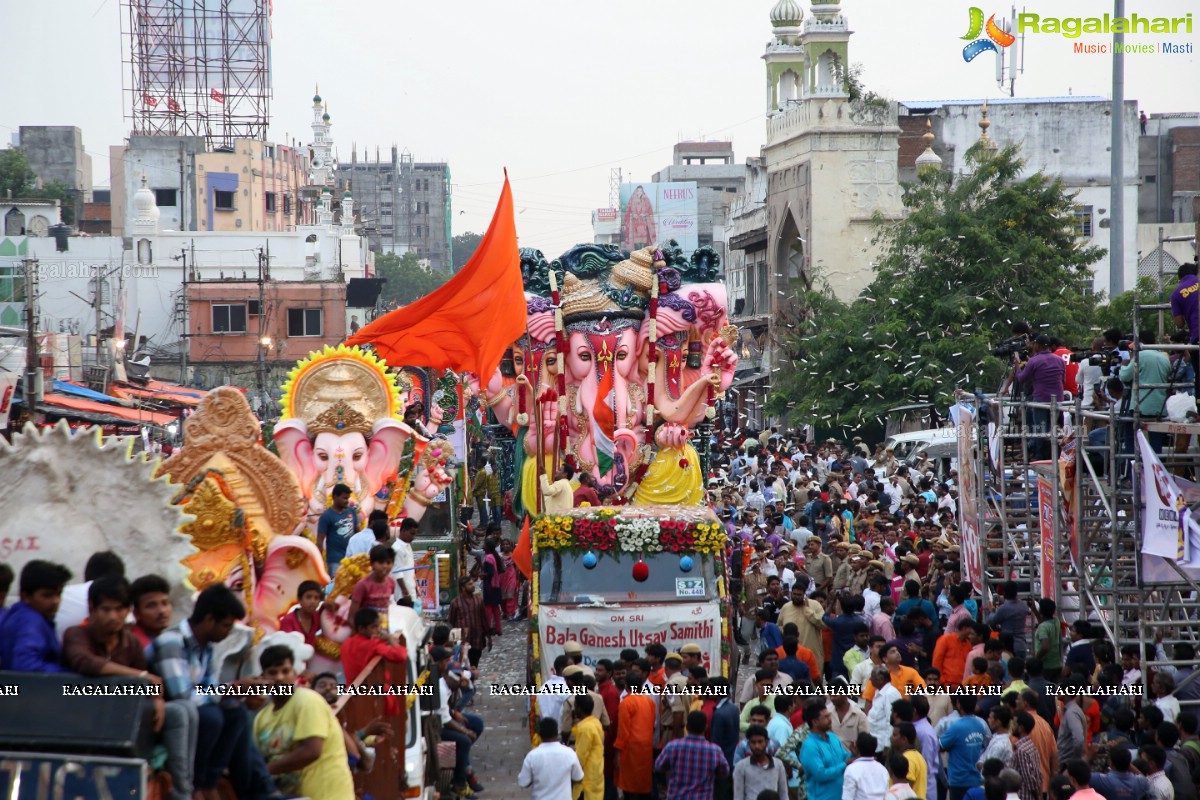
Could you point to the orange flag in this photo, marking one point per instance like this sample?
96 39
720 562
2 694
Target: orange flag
469 322
523 553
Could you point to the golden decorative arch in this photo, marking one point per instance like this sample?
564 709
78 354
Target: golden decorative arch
223 435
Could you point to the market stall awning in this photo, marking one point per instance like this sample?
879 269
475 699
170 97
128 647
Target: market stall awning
60 404
75 390
157 390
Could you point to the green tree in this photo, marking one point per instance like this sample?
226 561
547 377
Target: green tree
465 245
406 281
1118 312
975 253
18 177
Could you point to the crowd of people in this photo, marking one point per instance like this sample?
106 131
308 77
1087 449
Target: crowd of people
265 743
870 668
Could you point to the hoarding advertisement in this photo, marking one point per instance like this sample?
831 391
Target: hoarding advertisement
653 213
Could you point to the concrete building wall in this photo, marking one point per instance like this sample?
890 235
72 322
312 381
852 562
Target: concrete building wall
276 322
55 152
1185 178
403 205
1066 138
266 180
155 286
1164 265
168 163
430 234
832 165
376 188
178 169
1168 168
718 182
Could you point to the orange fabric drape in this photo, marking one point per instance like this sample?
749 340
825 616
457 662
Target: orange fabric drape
523 553
467 324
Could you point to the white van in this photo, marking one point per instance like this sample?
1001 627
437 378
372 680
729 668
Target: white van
904 445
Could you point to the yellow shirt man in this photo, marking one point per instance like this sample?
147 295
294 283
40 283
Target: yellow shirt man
589 747
918 772
278 731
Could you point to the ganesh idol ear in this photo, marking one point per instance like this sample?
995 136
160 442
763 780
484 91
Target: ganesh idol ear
383 455
295 450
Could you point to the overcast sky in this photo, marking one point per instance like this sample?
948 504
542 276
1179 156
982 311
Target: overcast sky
559 92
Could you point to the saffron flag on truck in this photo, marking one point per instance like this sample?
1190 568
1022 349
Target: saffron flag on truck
468 323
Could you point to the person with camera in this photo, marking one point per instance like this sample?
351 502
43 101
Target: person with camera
1152 369
1045 374
1091 374
1016 345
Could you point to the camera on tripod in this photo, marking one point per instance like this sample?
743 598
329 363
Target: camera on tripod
1016 344
1102 359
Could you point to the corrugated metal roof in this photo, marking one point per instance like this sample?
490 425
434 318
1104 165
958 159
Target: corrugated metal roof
1001 101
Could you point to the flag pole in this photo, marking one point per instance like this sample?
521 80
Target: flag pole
540 449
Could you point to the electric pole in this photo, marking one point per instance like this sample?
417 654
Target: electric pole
184 321
33 386
263 341
1116 232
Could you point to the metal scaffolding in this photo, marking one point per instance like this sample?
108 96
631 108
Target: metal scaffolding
1092 525
198 68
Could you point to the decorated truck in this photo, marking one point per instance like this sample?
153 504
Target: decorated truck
625 354
613 579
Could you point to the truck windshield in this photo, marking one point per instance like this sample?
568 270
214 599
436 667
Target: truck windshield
564 579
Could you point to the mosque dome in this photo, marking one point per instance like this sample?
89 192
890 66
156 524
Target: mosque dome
786 13
145 209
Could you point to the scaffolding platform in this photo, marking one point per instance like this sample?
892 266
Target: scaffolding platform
1074 489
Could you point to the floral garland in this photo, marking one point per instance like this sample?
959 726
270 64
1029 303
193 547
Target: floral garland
605 532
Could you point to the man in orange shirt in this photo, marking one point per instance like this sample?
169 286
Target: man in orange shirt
635 734
656 652
950 654
905 679
802 652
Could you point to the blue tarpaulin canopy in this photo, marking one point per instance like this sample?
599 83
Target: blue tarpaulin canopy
62 387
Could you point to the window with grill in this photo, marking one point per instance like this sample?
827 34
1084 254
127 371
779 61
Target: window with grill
270 198
229 318
223 201
304 322
1083 222
165 197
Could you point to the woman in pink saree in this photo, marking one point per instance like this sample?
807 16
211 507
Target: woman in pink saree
639 229
510 581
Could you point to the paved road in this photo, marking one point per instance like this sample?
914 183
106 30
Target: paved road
505 741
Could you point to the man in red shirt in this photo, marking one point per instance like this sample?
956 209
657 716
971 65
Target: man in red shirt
586 493
1069 381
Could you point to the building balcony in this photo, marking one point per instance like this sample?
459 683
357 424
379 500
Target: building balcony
833 113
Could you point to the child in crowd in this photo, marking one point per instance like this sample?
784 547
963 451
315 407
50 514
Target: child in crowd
979 673
379 587
369 640
303 618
